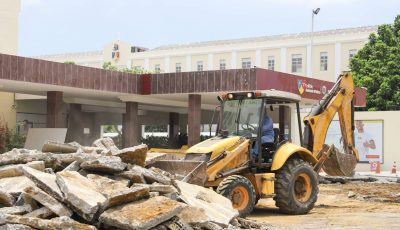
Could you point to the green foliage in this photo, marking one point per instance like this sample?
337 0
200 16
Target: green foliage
109 66
377 67
9 139
69 62
3 136
135 70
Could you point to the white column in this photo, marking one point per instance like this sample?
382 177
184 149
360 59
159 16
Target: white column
233 60
188 63
338 55
146 64
258 58
167 64
283 59
309 61
210 65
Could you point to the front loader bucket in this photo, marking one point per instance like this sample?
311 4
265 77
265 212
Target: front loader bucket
193 172
340 164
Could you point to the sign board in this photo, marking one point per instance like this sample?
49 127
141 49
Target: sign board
368 138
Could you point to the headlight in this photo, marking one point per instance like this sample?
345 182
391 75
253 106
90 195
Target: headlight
230 96
249 95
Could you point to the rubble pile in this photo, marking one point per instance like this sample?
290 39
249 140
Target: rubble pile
69 186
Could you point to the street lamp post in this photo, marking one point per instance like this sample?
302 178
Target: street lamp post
314 12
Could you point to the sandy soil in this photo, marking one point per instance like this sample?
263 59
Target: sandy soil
375 206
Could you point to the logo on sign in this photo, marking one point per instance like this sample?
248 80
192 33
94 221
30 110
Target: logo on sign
115 52
300 86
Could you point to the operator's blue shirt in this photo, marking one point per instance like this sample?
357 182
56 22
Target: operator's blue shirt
267 131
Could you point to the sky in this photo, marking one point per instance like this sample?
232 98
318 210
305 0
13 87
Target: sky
63 26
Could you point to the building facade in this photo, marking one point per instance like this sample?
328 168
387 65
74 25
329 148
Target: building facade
325 59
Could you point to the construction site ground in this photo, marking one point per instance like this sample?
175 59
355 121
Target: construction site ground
341 206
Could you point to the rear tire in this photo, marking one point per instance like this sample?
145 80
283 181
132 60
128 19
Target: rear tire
296 187
240 191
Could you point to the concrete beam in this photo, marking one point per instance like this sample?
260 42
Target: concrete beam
54 109
131 125
194 118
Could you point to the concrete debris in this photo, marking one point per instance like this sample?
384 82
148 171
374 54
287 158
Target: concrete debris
153 157
141 215
15 227
351 194
102 186
57 147
42 212
45 181
107 164
48 201
14 170
134 155
81 194
59 223
6 199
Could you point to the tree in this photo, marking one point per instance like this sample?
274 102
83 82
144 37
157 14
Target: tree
377 67
109 66
69 62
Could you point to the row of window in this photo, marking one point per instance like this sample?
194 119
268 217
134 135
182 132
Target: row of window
297 63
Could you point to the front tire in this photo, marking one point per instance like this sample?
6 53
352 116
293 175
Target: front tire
240 191
296 187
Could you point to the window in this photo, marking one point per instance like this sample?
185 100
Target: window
157 68
200 66
323 61
297 62
178 67
352 53
246 63
271 62
222 64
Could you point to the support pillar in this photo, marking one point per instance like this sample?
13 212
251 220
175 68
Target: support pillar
131 125
54 109
173 126
194 118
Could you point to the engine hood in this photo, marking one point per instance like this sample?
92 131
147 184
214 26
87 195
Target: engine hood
214 145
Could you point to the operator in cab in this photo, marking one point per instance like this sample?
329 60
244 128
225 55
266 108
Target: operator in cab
267 134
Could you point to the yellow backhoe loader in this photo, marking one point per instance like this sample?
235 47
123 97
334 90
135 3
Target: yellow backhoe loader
236 166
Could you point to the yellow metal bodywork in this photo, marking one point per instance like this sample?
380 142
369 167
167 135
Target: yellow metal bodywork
287 150
215 145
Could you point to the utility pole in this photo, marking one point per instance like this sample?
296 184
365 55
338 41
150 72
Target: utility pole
314 12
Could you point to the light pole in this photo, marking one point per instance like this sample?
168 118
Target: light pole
314 12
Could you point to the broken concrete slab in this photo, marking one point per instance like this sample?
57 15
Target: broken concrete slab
24 199
217 207
109 144
59 223
15 185
193 215
58 147
133 155
152 157
46 182
14 170
81 194
151 176
134 176
23 156
162 189
74 166
42 212
107 164
142 214
6 199
15 227
126 195
17 210
48 201
105 185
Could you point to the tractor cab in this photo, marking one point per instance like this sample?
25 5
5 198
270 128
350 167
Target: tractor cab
247 115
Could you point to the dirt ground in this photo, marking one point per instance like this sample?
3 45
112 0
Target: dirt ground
374 206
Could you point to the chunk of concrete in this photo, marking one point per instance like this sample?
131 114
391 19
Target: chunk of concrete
37 223
193 215
105 185
150 176
48 201
81 194
107 144
217 207
162 189
58 147
152 157
45 181
14 170
24 199
134 176
127 195
144 214
15 227
6 199
17 210
42 212
23 156
133 155
15 185
74 166
107 164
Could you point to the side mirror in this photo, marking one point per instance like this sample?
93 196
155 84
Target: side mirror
224 133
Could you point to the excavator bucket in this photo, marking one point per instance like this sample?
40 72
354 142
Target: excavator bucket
340 164
194 172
